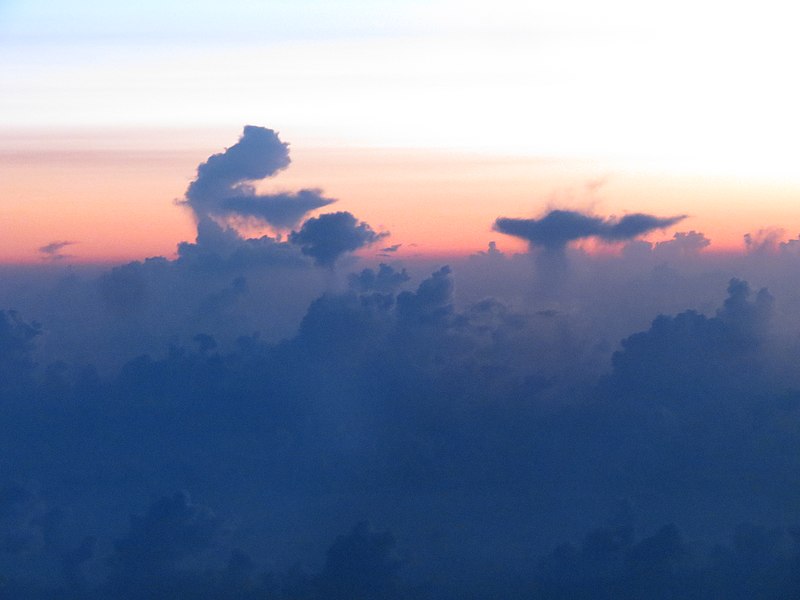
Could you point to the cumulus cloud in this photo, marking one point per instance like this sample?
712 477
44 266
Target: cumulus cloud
690 355
327 237
386 279
478 418
443 421
559 227
431 302
220 248
225 201
763 240
223 187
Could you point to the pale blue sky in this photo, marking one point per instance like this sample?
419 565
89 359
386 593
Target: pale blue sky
177 21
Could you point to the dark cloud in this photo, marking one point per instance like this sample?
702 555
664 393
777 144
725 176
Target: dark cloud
480 416
362 564
444 420
225 202
559 227
610 563
223 186
259 153
491 250
432 301
172 529
282 211
219 248
691 355
53 250
124 289
16 350
327 237
386 279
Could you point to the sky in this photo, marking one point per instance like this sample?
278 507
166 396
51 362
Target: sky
400 110
399 300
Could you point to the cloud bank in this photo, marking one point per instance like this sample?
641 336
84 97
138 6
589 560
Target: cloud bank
238 423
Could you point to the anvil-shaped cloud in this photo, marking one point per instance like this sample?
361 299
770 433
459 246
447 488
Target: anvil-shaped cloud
559 227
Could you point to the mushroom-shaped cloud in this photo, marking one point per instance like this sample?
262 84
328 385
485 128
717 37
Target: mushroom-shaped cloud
559 227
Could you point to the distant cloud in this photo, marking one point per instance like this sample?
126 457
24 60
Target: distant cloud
491 250
764 240
387 279
689 355
279 210
393 248
683 243
432 302
559 227
259 153
224 199
220 248
223 185
52 251
327 237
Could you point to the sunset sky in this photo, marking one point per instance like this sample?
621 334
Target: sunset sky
425 119
399 299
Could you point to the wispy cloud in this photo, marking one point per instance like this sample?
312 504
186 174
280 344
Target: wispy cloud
53 250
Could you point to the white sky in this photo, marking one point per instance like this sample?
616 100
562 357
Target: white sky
698 86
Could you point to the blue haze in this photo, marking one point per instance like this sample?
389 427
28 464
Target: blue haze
273 418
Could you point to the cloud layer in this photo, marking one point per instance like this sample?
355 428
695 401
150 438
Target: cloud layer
238 423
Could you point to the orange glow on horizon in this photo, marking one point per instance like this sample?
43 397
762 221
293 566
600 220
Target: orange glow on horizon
114 197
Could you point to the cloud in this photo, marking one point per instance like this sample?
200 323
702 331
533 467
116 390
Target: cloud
16 350
172 529
689 355
282 211
409 409
387 279
219 248
360 565
223 185
225 201
259 153
683 244
475 416
52 251
431 302
764 240
327 237
559 227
